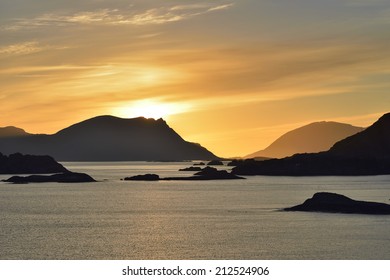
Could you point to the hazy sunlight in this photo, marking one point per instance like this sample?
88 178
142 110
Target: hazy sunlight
149 109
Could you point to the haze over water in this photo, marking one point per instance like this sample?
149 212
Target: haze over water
114 219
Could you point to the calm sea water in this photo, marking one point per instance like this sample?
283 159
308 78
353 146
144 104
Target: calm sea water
114 219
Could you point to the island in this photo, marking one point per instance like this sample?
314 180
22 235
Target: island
337 203
65 177
191 168
208 173
29 164
215 162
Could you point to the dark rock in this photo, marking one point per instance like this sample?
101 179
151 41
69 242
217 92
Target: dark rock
336 203
29 164
191 168
146 177
215 162
200 164
66 177
208 173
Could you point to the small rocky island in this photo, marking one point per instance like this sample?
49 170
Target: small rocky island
207 173
191 168
66 177
29 164
337 203
215 162
37 165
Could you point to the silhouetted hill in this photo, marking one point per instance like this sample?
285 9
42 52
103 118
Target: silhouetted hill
365 153
108 138
311 138
11 131
374 142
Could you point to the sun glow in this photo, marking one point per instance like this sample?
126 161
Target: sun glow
150 109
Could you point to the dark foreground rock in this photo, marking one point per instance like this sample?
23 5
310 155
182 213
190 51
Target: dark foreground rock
66 177
29 164
337 203
208 173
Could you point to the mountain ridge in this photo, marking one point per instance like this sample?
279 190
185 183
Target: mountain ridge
109 138
310 138
12 131
365 153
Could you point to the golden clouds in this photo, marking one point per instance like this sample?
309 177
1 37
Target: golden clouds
221 70
160 15
20 49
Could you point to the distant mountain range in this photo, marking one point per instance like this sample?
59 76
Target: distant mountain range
365 153
311 138
106 138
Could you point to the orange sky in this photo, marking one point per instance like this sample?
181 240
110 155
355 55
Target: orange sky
231 75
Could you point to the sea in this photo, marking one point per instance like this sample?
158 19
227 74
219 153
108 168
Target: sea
114 219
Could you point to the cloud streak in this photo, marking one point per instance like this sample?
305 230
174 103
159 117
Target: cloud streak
21 48
115 17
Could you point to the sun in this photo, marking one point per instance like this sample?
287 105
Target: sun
149 109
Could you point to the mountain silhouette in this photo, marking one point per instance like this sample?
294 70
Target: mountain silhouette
108 138
374 142
311 138
365 153
11 131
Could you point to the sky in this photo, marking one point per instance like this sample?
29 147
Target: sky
232 75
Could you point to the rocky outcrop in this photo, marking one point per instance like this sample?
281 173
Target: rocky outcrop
146 177
66 177
191 168
29 164
208 173
337 203
215 162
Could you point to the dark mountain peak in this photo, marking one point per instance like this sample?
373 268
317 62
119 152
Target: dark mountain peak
110 124
374 142
384 118
109 138
365 153
12 131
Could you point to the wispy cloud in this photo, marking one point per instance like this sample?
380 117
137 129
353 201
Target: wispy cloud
159 15
21 48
